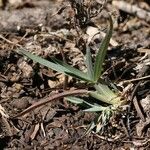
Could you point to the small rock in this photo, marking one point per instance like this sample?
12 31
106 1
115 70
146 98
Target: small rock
26 69
21 103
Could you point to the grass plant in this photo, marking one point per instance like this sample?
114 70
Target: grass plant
106 100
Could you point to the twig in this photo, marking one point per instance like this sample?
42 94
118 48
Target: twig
137 79
133 97
4 119
59 11
135 102
8 41
132 9
13 43
137 107
105 138
51 98
6 124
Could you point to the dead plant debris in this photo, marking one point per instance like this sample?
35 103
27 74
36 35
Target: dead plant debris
61 29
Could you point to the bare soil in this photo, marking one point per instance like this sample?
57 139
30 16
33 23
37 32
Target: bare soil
50 28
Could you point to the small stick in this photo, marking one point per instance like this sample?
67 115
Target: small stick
135 102
105 138
132 9
51 98
133 97
137 79
137 107
8 41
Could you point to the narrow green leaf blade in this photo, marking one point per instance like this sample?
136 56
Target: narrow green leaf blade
60 67
102 51
100 97
79 101
105 90
72 71
95 109
43 61
89 63
74 100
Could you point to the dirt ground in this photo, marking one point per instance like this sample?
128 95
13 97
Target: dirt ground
59 28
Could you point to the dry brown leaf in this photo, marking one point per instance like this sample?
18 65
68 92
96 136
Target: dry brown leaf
36 129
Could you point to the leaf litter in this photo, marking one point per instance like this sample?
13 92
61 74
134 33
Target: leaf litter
64 127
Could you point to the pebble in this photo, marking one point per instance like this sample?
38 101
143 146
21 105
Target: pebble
21 103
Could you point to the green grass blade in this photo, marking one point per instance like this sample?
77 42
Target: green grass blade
79 101
72 71
115 101
89 63
59 66
74 100
43 61
105 90
95 109
102 51
100 97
